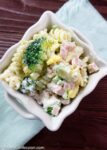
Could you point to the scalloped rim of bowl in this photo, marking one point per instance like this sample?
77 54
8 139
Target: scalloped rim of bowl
53 123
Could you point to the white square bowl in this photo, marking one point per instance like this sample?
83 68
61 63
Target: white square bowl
32 109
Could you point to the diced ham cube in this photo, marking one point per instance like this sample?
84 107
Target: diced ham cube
70 45
63 52
55 110
65 101
92 68
78 62
57 89
66 48
68 85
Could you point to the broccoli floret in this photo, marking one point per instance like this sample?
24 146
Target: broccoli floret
35 54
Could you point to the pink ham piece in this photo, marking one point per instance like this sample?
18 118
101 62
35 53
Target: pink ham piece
92 68
57 89
78 62
65 101
66 48
55 110
68 85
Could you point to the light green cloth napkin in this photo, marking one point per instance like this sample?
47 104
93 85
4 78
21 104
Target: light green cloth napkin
15 131
83 16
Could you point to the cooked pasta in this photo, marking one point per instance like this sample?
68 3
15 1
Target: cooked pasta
13 75
60 34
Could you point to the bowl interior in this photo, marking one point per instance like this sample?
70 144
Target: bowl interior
53 123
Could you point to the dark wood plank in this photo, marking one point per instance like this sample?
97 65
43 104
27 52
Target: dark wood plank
17 15
87 127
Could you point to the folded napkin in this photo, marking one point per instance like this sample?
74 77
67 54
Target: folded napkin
15 131
83 16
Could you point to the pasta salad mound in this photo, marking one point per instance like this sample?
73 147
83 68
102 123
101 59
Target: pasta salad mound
51 68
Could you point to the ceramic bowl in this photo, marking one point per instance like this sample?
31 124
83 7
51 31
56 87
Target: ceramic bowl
26 106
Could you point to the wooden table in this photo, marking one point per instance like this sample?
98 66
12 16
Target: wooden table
87 127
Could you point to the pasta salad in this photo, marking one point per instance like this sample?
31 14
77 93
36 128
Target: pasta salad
51 68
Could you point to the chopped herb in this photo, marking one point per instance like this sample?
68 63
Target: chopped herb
49 110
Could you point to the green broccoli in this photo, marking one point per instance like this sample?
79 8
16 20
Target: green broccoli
35 54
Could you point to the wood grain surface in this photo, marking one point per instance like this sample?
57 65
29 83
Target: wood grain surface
86 128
